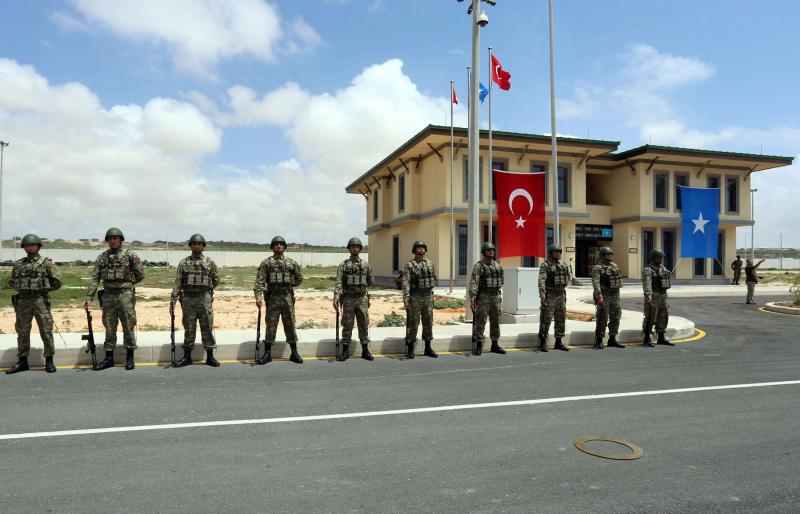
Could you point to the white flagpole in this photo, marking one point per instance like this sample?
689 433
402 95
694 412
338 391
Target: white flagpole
452 212
554 143
491 166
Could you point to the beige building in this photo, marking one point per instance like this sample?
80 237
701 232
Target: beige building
625 200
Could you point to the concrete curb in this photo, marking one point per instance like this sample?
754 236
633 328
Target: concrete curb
782 309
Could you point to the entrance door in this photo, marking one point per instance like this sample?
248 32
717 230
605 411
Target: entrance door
586 256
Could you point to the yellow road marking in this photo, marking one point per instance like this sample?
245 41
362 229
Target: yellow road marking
764 309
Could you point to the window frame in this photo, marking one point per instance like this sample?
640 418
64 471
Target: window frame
395 253
505 163
465 181
738 195
719 181
375 207
543 165
401 193
656 175
567 186
675 190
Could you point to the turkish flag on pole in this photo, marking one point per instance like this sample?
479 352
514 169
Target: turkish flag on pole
500 76
520 213
454 98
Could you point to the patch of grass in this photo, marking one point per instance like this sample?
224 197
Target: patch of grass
448 303
310 323
393 320
152 327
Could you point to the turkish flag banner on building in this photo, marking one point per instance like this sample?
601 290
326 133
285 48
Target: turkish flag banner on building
520 214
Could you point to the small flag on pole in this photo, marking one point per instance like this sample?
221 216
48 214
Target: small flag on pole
500 76
482 92
453 97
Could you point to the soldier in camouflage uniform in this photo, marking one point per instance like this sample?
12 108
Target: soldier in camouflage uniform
419 277
33 277
353 279
607 281
120 270
277 277
655 282
554 276
195 282
486 298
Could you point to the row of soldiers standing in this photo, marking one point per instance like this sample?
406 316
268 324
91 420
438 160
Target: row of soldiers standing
120 269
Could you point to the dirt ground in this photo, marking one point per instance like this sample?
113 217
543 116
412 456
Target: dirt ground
232 310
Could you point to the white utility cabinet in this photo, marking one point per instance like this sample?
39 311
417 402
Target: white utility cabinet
521 290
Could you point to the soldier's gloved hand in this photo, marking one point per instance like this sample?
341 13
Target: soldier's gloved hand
407 305
258 303
600 301
648 301
473 304
544 300
336 305
86 306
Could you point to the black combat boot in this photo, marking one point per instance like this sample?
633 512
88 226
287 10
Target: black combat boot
496 348
48 364
477 346
647 343
295 357
210 360
612 341
410 348
598 342
429 351
267 357
345 352
129 364
106 363
365 352
543 343
560 346
21 365
662 339
186 360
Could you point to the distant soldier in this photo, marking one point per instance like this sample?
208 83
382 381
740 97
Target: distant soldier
655 282
120 270
486 298
195 281
353 280
751 278
554 277
419 277
33 277
277 277
607 281
736 266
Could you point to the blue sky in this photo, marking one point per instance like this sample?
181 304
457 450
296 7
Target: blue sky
727 80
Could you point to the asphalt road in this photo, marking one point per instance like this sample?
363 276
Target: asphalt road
732 450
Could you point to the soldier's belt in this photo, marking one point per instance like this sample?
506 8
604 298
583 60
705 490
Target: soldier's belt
31 293
609 292
422 292
488 292
354 294
659 291
196 292
116 290
555 290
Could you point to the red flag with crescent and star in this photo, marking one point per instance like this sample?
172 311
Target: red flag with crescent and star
520 213
500 76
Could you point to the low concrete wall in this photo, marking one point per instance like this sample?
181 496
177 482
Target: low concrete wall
774 307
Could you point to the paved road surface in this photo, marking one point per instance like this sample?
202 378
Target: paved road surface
729 450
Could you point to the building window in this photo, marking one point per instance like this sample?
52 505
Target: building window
661 191
564 181
466 179
396 253
401 193
681 179
539 167
462 250
648 243
716 269
712 182
375 204
732 195
699 267
668 246
497 164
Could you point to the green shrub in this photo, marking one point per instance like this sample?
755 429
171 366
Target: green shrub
310 323
448 303
795 289
393 320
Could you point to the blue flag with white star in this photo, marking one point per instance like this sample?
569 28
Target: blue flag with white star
700 221
483 92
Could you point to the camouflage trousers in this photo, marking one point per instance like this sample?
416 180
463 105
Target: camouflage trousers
420 306
487 305
656 314
355 308
737 274
27 308
280 306
198 307
556 307
119 306
608 314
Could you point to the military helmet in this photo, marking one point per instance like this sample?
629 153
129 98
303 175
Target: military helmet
354 241
418 244
487 246
553 248
31 239
277 239
197 238
605 250
655 252
114 231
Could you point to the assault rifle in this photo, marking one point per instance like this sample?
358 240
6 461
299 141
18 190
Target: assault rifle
258 334
338 340
172 334
89 338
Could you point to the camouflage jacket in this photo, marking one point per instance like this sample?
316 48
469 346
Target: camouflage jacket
655 278
35 273
487 277
118 269
418 276
354 276
195 274
553 275
277 276
606 278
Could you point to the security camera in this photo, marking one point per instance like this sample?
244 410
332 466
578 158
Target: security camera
483 20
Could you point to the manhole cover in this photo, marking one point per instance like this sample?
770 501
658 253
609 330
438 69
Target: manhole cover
583 445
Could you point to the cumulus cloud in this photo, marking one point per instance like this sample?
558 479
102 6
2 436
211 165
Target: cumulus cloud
197 33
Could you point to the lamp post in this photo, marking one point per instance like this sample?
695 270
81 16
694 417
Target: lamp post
753 226
3 145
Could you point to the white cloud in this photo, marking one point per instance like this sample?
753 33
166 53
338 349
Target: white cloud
648 68
197 33
303 38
